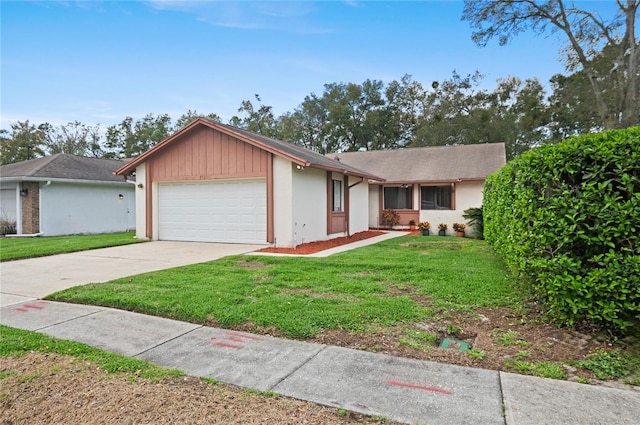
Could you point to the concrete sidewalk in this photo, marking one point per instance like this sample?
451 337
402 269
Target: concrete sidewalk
405 390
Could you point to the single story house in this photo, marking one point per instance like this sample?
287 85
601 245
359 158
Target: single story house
66 194
434 184
211 182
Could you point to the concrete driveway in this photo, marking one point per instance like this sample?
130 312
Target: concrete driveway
26 280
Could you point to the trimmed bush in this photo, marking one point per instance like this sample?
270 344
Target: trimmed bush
566 217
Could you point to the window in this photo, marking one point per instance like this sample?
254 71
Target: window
398 198
435 197
336 204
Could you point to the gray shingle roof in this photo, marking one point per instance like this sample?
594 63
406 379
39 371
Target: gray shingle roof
65 166
438 163
313 158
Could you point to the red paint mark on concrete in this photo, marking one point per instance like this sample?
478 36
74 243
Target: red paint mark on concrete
237 335
26 307
36 307
418 387
225 344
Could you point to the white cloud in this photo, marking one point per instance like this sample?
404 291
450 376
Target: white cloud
292 17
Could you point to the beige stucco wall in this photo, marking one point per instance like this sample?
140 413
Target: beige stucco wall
468 195
282 202
309 205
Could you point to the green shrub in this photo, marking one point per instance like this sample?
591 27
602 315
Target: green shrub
475 220
566 217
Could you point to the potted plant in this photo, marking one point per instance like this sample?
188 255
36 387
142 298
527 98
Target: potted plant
442 229
390 218
459 228
412 225
424 227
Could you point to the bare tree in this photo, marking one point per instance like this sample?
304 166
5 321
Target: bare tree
588 36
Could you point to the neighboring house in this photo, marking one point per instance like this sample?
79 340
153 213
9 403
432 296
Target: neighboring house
434 184
66 194
211 182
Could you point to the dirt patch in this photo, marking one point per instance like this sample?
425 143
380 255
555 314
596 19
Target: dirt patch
499 334
251 265
52 389
313 247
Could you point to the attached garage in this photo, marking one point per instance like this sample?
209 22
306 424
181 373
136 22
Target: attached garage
211 182
232 211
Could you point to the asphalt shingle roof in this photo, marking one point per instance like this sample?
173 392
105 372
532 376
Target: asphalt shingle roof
65 166
438 163
313 158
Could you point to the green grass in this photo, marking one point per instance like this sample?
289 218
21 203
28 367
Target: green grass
509 338
543 369
20 248
474 353
17 342
373 286
610 364
420 340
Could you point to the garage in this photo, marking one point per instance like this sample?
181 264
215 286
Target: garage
231 211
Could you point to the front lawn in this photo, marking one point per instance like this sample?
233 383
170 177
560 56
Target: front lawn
402 297
403 280
20 248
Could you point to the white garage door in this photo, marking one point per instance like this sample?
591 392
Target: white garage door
230 211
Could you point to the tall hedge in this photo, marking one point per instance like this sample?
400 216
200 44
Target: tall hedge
566 217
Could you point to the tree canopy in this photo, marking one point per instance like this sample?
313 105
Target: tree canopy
600 90
606 52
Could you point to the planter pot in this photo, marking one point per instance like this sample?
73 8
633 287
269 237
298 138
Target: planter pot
442 233
425 232
460 234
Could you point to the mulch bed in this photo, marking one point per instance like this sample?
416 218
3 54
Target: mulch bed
313 247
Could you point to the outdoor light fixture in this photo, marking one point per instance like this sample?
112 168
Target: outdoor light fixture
140 186
300 167
24 192
120 196
405 186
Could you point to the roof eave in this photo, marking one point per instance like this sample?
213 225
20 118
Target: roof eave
59 180
440 181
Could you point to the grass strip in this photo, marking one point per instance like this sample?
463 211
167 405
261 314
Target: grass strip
21 248
17 342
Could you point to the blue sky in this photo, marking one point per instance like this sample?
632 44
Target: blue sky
98 62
